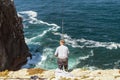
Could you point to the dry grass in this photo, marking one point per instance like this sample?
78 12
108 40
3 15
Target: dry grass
4 73
35 71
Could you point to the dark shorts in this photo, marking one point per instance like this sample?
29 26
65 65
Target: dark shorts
63 63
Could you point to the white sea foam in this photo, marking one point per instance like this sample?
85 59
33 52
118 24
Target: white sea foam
30 13
74 62
116 64
88 43
38 36
28 41
78 60
45 58
87 56
40 60
92 68
32 18
92 44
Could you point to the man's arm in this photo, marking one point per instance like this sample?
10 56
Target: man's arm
56 53
68 51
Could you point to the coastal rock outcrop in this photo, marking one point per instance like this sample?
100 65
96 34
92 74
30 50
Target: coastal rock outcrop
76 74
13 49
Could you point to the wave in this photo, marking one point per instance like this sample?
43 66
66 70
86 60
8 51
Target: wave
91 67
81 58
41 60
47 59
81 43
31 62
28 41
38 36
117 64
31 17
87 56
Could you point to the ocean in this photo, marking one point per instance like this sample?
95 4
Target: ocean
91 31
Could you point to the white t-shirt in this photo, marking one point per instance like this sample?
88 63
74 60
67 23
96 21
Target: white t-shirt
62 52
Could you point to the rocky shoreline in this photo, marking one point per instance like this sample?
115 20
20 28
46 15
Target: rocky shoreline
76 74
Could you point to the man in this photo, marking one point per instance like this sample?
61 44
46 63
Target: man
62 54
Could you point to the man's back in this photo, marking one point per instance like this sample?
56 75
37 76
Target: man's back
62 52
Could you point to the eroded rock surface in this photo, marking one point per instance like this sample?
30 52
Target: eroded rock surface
13 49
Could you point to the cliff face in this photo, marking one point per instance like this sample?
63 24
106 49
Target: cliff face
13 50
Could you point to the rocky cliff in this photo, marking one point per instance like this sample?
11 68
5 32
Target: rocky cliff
13 49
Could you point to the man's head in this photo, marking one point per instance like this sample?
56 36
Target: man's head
62 42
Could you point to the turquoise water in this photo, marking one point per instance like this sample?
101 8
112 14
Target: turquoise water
91 31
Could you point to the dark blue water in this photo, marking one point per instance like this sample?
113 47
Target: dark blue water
91 31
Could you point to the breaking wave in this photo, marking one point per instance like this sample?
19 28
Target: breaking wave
81 43
31 17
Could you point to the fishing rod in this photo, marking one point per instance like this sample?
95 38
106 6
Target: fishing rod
62 20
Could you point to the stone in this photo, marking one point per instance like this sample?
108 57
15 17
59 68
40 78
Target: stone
13 49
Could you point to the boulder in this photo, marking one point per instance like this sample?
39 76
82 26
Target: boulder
13 49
